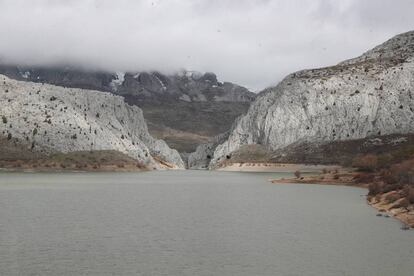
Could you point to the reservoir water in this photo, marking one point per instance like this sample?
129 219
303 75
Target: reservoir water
192 223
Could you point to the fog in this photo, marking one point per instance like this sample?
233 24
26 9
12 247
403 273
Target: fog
253 43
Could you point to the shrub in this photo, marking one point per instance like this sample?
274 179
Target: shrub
410 196
408 192
374 189
405 172
297 174
4 118
387 176
364 178
34 131
390 187
384 160
9 136
367 162
402 173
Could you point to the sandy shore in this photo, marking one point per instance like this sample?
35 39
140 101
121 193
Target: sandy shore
275 167
341 176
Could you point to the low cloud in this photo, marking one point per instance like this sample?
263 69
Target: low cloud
254 43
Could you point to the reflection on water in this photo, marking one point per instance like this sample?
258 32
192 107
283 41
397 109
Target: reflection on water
192 223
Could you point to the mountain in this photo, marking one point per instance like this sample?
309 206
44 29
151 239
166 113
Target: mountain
47 119
362 98
185 109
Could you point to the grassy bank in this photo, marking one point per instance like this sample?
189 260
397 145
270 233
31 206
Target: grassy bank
76 161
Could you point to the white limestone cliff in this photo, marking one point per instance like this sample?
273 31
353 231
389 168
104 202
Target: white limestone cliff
51 119
367 96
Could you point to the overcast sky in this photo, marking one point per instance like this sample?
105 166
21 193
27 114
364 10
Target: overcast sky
253 43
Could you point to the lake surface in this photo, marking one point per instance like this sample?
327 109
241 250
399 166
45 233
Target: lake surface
192 223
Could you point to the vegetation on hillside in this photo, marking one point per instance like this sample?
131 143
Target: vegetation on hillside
389 172
15 155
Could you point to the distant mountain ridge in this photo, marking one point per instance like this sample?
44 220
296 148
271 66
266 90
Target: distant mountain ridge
189 86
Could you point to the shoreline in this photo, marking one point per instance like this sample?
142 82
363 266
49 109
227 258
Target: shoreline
393 209
112 168
82 161
320 175
275 167
87 169
102 161
337 177
346 177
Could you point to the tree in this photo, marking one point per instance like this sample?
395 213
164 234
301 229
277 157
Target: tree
4 118
297 174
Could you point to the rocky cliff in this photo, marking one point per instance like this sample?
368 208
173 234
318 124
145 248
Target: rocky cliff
49 119
371 95
184 109
201 157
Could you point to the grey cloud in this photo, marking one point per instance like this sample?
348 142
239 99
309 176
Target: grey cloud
254 43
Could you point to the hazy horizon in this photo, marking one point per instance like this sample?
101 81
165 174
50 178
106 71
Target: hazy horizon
251 43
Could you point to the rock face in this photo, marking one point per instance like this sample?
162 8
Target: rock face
65 77
185 109
367 96
200 159
51 119
184 86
